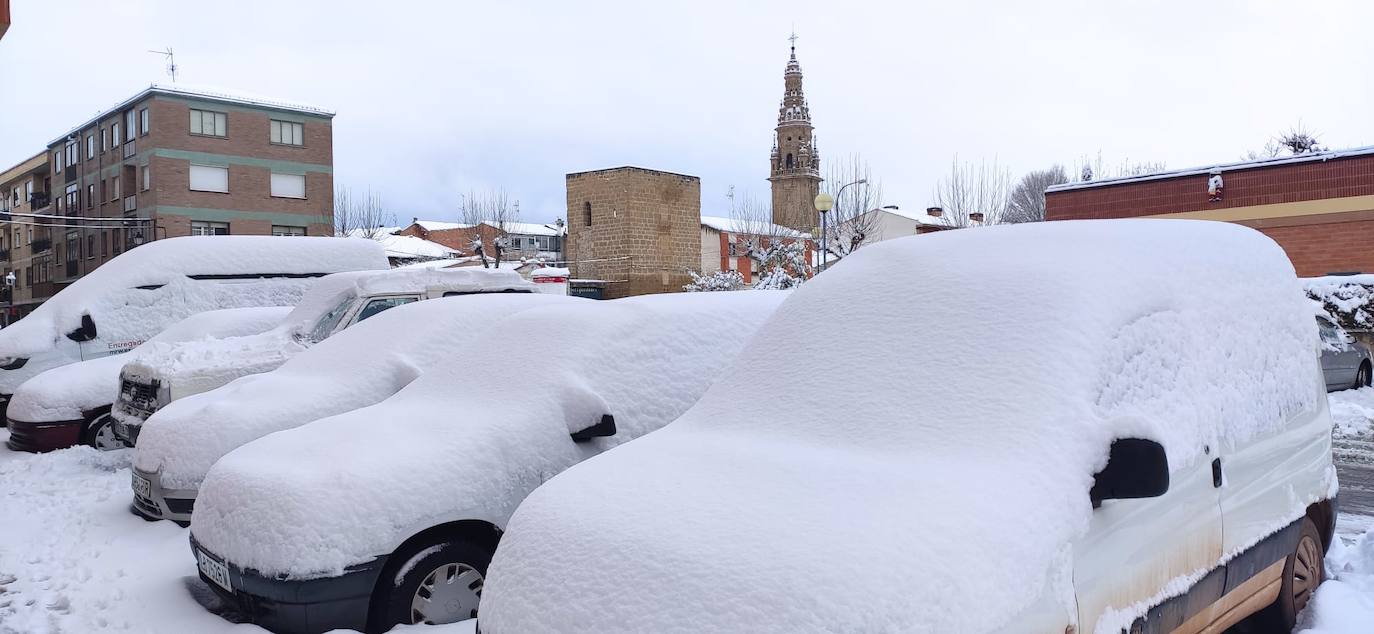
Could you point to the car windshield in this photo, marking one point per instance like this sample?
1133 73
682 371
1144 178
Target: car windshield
1328 330
331 319
380 304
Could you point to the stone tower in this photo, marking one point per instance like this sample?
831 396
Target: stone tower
796 163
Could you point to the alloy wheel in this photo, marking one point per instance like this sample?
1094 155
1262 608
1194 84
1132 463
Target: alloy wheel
448 594
1307 571
104 437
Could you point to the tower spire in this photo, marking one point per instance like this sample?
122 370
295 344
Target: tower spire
794 161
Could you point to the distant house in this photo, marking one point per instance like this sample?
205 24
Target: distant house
724 244
404 249
526 240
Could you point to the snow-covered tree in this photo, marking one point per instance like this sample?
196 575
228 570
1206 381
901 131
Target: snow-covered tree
715 281
782 264
1087 173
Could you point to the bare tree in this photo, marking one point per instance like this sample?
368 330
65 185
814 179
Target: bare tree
1089 169
853 221
363 216
1027 200
494 208
973 188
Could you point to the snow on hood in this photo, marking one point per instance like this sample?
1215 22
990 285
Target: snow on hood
109 294
338 491
928 478
358 367
66 392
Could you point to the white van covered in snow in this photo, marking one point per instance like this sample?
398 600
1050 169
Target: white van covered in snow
361 366
390 513
136 295
1092 426
334 303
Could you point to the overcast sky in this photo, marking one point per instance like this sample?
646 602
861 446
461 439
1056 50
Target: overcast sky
437 98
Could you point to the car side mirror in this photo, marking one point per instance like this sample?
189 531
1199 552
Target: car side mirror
86 332
1136 468
602 429
1347 338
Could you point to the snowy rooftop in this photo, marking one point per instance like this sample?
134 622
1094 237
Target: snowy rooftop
921 217
751 227
398 246
1224 167
201 91
519 228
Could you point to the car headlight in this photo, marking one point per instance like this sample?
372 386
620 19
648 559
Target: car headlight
12 363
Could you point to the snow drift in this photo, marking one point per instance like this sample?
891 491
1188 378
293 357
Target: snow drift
466 440
926 474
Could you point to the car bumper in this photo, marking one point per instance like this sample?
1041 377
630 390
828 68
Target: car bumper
293 606
156 502
44 436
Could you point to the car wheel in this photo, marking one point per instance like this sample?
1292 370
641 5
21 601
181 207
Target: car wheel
100 434
438 583
1302 573
1363 376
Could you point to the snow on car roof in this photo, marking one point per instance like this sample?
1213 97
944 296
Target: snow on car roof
163 262
328 290
355 368
642 359
957 408
65 392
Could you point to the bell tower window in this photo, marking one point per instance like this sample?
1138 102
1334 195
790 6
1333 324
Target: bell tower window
789 160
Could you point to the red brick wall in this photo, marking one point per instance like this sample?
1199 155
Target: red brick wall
1315 180
1318 249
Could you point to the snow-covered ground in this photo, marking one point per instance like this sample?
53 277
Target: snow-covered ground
74 559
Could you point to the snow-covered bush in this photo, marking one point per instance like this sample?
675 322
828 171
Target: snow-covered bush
716 281
782 265
1346 298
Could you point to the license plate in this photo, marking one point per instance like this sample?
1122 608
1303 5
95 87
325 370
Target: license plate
143 486
214 570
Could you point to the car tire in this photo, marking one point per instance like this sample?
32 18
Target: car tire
1303 571
453 570
1363 376
99 433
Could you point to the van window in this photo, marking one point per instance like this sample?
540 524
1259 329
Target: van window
380 304
1328 330
331 319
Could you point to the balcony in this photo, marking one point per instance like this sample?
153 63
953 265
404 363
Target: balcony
129 149
130 203
40 245
4 255
39 200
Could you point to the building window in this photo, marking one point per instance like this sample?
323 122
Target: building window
114 239
587 214
90 146
57 162
114 189
288 185
143 122
287 133
90 195
73 197
114 135
129 131
283 230
147 169
104 244
203 228
206 178
207 123
104 139
90 247
73 153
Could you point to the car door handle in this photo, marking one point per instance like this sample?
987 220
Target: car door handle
1216 472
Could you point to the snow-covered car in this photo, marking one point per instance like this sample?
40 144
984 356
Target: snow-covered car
335 302
78 396
1092 426
1346 362
359 367
389 514
132 297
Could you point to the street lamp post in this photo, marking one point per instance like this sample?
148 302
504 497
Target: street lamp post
824 203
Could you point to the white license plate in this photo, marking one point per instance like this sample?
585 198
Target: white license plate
216 571
143 486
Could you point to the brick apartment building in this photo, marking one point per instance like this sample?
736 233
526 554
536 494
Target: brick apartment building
1319 207
24 253
169 161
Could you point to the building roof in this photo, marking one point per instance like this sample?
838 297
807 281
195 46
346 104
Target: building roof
439 225
1224 167
518 228
631 167
921 217
210 93
750 227
404 247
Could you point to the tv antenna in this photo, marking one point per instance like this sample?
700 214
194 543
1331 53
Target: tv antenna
171 62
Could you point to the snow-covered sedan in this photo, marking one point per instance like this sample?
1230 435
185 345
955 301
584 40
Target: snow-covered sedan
1094 426
146 289
355 368
77 396
335 302
389 514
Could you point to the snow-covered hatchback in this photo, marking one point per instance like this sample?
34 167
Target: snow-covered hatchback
389 514
335 302
1098 426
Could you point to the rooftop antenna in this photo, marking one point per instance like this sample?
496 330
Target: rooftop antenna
171 62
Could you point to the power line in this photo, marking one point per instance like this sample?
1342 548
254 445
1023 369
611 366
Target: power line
59 217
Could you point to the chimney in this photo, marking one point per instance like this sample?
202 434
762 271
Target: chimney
976 216
934 212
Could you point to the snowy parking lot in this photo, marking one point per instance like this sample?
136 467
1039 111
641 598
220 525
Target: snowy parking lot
76 560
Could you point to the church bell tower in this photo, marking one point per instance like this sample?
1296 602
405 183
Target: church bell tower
795 171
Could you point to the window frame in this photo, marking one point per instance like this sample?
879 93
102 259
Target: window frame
288 231
214 123
212 225
272 189
143 121
212 191
275 128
